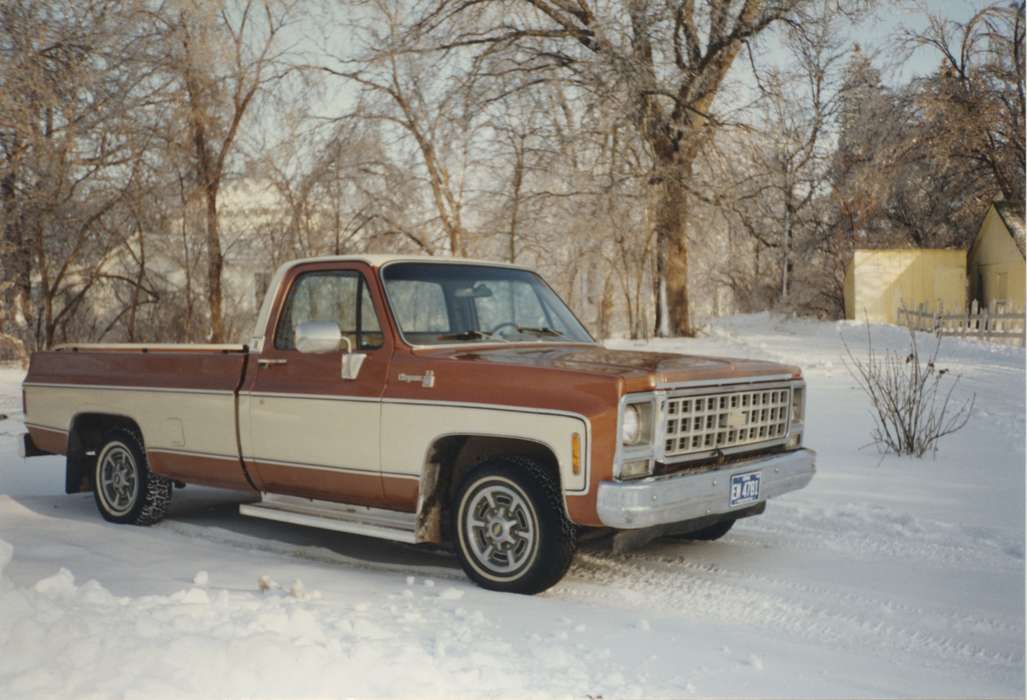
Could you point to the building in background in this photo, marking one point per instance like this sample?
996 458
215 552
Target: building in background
879 282
996 259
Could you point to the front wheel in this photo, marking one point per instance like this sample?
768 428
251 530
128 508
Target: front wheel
511 529
125 489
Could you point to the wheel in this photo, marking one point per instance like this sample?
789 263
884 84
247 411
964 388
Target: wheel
126 491
512 534
713 532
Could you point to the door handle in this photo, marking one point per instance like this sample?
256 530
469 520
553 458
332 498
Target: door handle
271 361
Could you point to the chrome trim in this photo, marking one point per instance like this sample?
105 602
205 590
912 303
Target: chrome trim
193 453
107 387
315 397
328 515
631 453
46 427
151 347
426 380
714 383
734 390
320 337
329 468
656 451
628 505
586 448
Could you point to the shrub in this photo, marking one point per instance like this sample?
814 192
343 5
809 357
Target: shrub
912 399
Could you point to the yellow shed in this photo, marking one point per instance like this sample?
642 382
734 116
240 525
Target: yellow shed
996 259
878 282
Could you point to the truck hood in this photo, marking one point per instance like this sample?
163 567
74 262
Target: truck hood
639 370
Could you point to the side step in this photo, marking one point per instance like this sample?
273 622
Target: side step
342 517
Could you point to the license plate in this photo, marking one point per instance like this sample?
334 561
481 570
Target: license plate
745 488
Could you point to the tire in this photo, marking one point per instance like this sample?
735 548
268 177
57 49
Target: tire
511 531
125 489
708 534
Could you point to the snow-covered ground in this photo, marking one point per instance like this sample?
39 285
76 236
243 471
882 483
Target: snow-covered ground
893 577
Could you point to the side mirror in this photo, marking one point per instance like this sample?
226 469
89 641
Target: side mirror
318 337
325 336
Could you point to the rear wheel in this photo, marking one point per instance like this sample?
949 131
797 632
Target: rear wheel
511 530
126 491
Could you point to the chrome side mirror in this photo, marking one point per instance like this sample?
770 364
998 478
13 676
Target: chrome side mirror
325 336
351 361
318 337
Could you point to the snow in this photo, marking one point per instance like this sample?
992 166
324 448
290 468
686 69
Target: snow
885 577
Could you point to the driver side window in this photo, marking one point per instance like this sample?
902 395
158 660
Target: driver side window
340 296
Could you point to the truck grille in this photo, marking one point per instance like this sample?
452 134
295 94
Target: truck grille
697 424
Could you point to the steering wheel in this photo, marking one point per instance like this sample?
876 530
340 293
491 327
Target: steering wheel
504 324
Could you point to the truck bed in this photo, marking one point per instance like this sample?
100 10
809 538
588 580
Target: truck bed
182 398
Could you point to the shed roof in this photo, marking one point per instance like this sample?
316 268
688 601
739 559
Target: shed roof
1013 219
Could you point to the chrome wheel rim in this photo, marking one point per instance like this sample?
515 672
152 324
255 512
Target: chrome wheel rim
500 528
117 479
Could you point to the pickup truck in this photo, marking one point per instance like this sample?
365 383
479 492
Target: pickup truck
427 400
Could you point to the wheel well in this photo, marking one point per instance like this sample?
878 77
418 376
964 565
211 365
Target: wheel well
450 458
84 440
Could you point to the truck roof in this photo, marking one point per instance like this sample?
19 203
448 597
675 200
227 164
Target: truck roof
379 259
375 260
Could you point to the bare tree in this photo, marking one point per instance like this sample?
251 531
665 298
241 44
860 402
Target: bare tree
405 89
665 60
224 56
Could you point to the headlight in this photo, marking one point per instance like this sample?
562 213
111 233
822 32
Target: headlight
797 404
636 424
631 426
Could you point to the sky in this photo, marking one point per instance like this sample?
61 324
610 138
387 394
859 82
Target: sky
877 32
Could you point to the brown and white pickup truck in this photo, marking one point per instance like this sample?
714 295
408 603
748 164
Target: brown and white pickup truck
429 400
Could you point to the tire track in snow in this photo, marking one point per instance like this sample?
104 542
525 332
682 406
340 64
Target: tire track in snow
854 529
676 584
711 593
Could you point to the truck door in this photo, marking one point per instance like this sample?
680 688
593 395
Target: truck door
312 432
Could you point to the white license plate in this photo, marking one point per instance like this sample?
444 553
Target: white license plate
745 489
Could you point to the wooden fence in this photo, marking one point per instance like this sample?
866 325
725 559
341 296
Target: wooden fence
995 324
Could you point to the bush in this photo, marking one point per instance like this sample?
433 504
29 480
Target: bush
913 405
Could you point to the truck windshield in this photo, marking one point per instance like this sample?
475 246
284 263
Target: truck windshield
442 303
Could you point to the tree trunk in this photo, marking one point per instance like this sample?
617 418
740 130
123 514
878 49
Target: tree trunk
672 247
518 180
786 248
215 266
606 307
140 275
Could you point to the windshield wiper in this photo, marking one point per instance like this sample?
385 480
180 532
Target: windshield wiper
542 330
465 335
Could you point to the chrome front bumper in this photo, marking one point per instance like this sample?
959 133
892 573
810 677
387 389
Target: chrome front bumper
628 505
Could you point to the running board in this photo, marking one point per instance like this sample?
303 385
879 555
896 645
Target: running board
342 517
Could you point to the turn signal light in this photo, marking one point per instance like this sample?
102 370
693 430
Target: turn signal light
576 453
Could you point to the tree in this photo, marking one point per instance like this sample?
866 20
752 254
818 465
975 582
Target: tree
666 62
406 90
224 56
